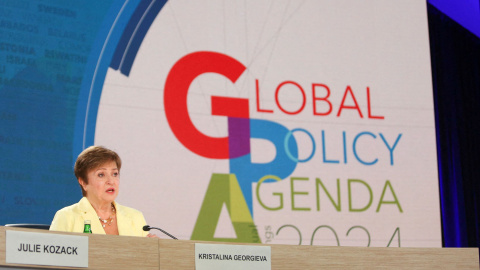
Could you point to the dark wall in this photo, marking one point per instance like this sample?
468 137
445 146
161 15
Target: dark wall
455 54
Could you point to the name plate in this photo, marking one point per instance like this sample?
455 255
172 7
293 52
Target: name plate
46 249
217 256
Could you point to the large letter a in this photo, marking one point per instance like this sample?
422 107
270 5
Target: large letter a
224 188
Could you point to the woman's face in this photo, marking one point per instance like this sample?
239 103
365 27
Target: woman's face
103 183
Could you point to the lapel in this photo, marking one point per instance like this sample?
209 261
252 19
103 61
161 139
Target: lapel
88 213
122 224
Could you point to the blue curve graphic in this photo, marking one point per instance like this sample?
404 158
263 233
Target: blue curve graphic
116 46
134 34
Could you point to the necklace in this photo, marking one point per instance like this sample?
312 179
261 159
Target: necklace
109 220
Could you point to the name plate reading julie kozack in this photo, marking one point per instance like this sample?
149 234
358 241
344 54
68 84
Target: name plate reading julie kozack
46 249
232 257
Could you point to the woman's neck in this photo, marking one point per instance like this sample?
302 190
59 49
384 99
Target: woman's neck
102 208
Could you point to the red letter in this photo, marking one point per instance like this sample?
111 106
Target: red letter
349 90
258 99
233 107
315 98
370 108
177 84
303 95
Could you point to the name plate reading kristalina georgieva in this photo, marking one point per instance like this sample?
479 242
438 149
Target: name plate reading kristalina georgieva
46 249
232 257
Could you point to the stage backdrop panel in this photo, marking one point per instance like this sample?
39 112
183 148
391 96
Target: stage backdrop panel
45 47
283 122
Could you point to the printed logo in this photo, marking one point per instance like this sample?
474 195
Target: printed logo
301 141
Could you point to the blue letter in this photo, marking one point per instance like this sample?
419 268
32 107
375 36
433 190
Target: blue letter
393 147
355 148
282 166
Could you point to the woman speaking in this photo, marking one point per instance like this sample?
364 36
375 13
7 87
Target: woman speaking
98 172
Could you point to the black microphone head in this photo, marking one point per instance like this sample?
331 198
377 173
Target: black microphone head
146 228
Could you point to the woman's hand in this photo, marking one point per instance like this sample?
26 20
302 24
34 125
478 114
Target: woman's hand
152 236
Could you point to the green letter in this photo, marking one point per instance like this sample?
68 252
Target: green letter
350 207
224 189
395 201
338 205
266 177
297 193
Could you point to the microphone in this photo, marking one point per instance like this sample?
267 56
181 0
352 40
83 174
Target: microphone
148 228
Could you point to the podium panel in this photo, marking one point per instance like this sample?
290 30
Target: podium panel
105 251
123 252
180 255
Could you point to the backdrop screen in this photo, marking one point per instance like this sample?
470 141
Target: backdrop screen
283 122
